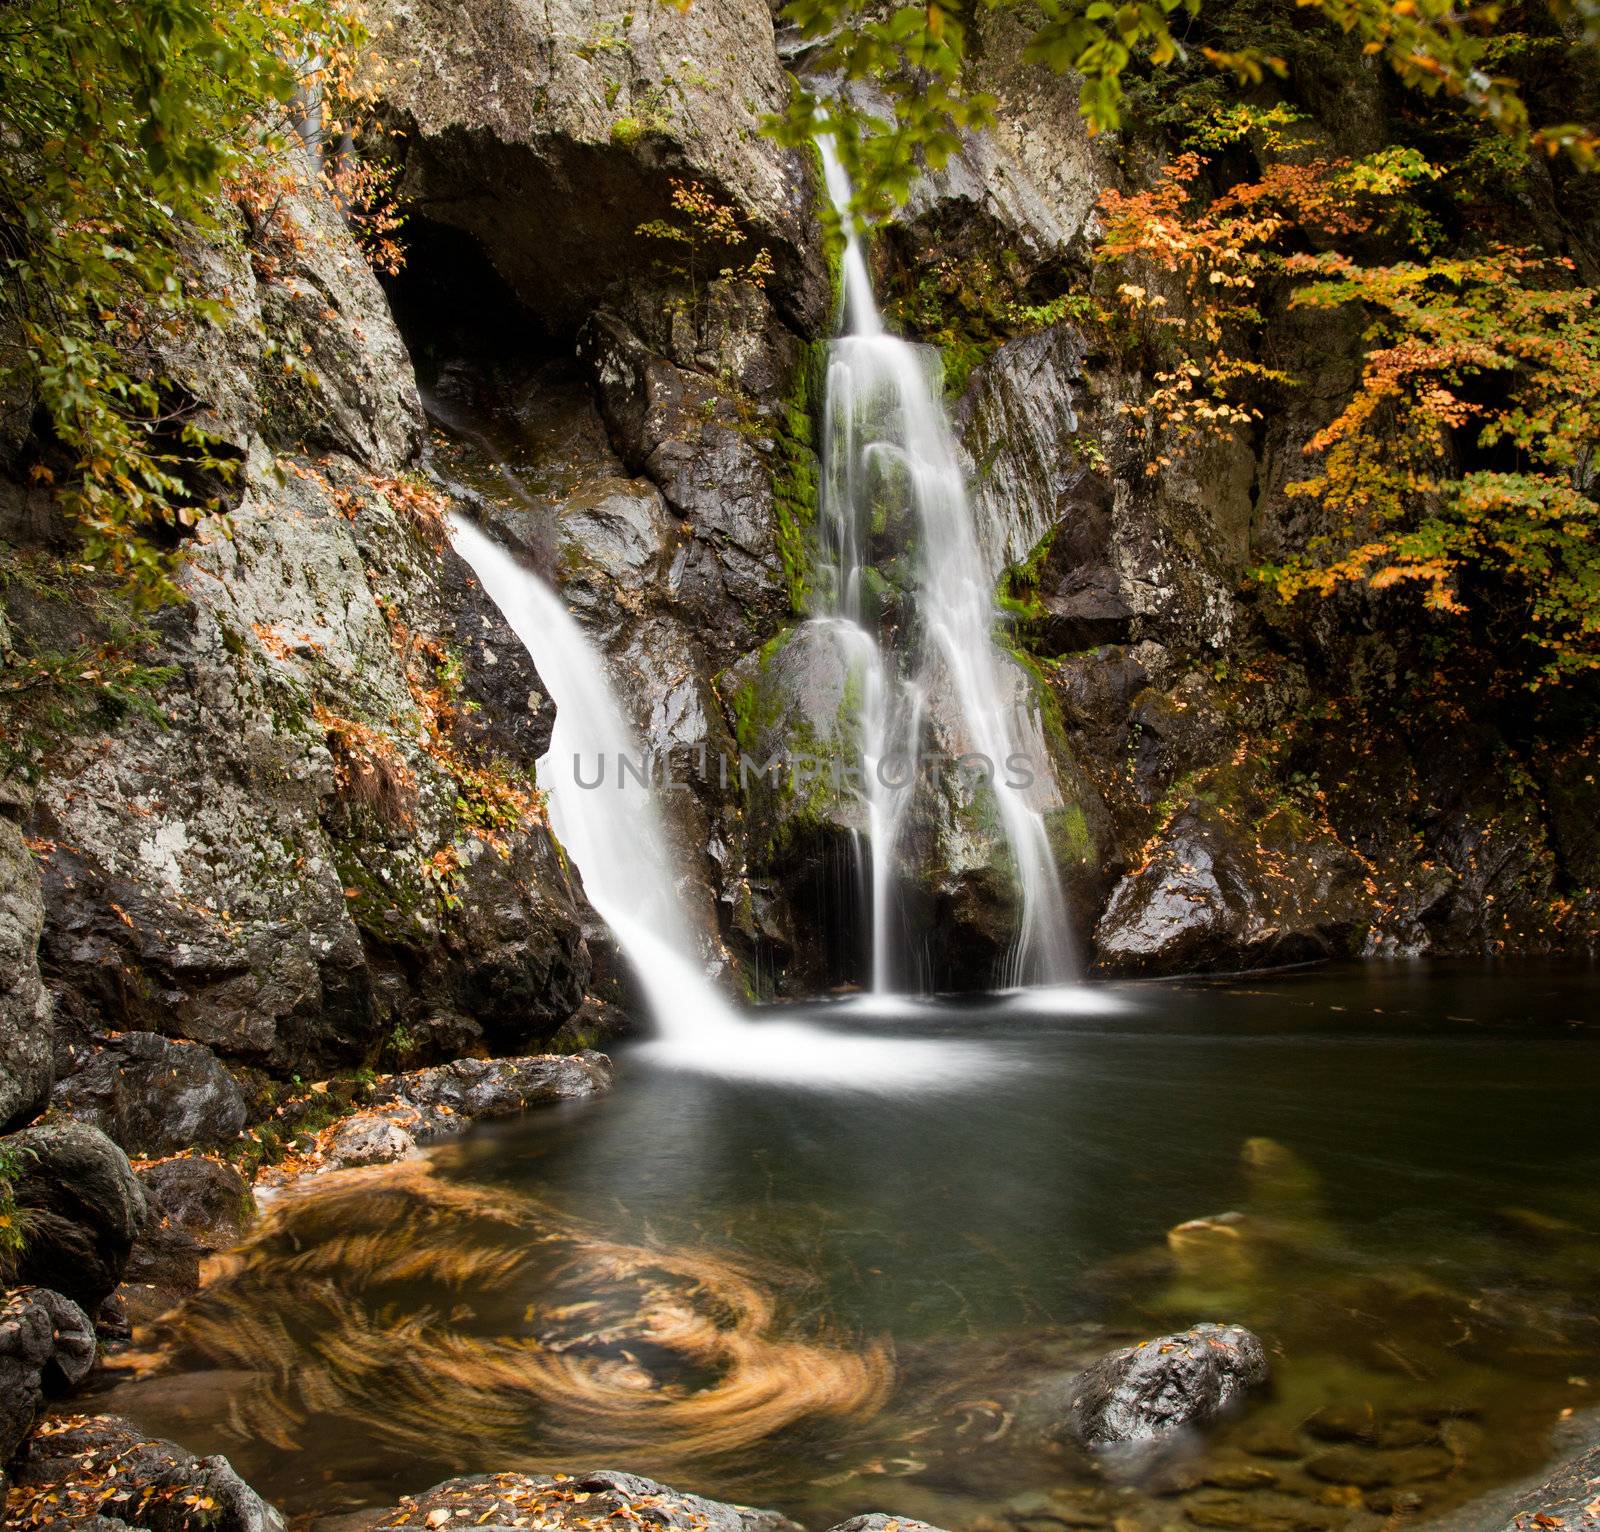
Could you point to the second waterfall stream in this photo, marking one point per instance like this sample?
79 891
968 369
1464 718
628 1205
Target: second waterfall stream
888 448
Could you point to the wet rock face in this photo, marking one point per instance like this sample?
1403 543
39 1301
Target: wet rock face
94 1462
796 704
296 284
549 134
1016 423
1081 590
223 878
1030 186
507 1498
47 1346
514 713
81 1210
1218 892
1146 1392
26 1062
292 862
516 962
155 1097
681 431
155 830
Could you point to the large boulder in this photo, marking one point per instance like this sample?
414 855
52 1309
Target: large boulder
77 1468
47 1346
26 1067
154 1096
1146 1392
572 1504
1225 885
285 857
80 1209
296 860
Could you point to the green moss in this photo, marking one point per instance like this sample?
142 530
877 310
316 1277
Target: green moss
965 306
1017 591
388 896
795 473
1068 831
11 1236
754 706
1044 698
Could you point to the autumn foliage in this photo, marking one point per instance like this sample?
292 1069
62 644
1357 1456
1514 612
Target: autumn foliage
1462 464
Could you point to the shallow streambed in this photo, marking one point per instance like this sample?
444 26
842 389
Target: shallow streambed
838 1299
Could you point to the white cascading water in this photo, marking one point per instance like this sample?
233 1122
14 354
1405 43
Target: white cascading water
610 829
614 836
885 425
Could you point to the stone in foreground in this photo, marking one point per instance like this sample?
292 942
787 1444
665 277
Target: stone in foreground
1568 1499
197 1208
1146 1392
578 1503
880 1521
46 1346
81 1210
82 1467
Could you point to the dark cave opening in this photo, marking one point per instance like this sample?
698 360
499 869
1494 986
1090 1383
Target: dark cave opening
459 316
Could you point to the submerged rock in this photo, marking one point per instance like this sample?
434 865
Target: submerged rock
579 1502
76 1470
1368 1469
1145 1392
154 1096
81 1209
47 1345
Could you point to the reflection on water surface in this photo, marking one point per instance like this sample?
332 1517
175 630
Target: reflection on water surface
833 1302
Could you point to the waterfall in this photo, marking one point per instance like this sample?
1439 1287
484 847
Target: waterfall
613 834
887 437
603 814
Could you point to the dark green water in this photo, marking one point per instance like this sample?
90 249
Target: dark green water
1413 1153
